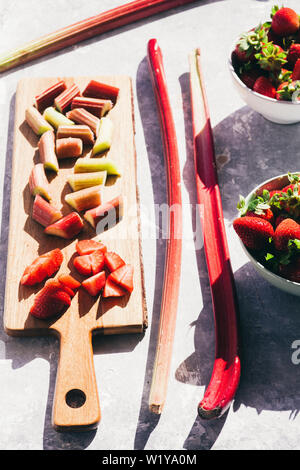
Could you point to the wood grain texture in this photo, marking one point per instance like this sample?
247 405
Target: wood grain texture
86 315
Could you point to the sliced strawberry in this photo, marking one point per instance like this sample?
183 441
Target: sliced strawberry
50 301
97 261
113 261
42 267
123 277
89 264
83 265
111 289
94 284
68 281
86 247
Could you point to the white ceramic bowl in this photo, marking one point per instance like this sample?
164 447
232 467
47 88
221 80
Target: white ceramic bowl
281 112
280 282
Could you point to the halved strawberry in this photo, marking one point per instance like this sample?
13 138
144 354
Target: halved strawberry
94 284
50 301
86 247
123 277
89 264
113 261
42 267
111 289
68 281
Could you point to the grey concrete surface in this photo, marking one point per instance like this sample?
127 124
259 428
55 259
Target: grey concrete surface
249 149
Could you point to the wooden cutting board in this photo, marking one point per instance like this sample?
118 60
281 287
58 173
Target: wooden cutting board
76 404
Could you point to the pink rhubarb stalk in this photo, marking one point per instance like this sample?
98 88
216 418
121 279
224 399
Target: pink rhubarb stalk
226 371
86 29
172 268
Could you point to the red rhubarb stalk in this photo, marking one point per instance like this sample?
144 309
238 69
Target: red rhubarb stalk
86 29
226 371
172 266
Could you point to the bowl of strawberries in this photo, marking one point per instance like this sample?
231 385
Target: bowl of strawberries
268 227
265 67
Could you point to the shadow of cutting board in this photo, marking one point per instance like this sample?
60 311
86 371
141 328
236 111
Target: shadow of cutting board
76 403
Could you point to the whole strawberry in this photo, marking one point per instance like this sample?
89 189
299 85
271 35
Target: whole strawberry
296 71
265 87
250 43
285 21
266 214
254 232
289 91
249 77
287 230
271 57
291 271
293 54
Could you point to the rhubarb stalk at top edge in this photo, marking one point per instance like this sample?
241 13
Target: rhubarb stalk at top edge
172 266
226 371
86 29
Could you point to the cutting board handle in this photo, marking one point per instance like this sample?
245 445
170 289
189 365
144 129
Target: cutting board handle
76 401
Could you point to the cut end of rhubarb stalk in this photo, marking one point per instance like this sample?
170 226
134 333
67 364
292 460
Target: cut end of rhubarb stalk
63 101
46 98
46 147
38 183
95 106
69 147
80 181
85 198
82 116
78 131
86 165
67 227
104 139
36 121
100 90
105 215
43 212
55 118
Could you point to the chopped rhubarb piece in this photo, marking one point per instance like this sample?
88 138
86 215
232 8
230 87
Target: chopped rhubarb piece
46 98
51 301
111 289
63 101
56 119
69 147
86 180
38 183
94 106
104 139
89 264
112 209
42 267
123 277
85 198
86 165
79 131
96 89
47 153
113 261
94 284
36 121
69 281
86 247
82 116
43 212
67 227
